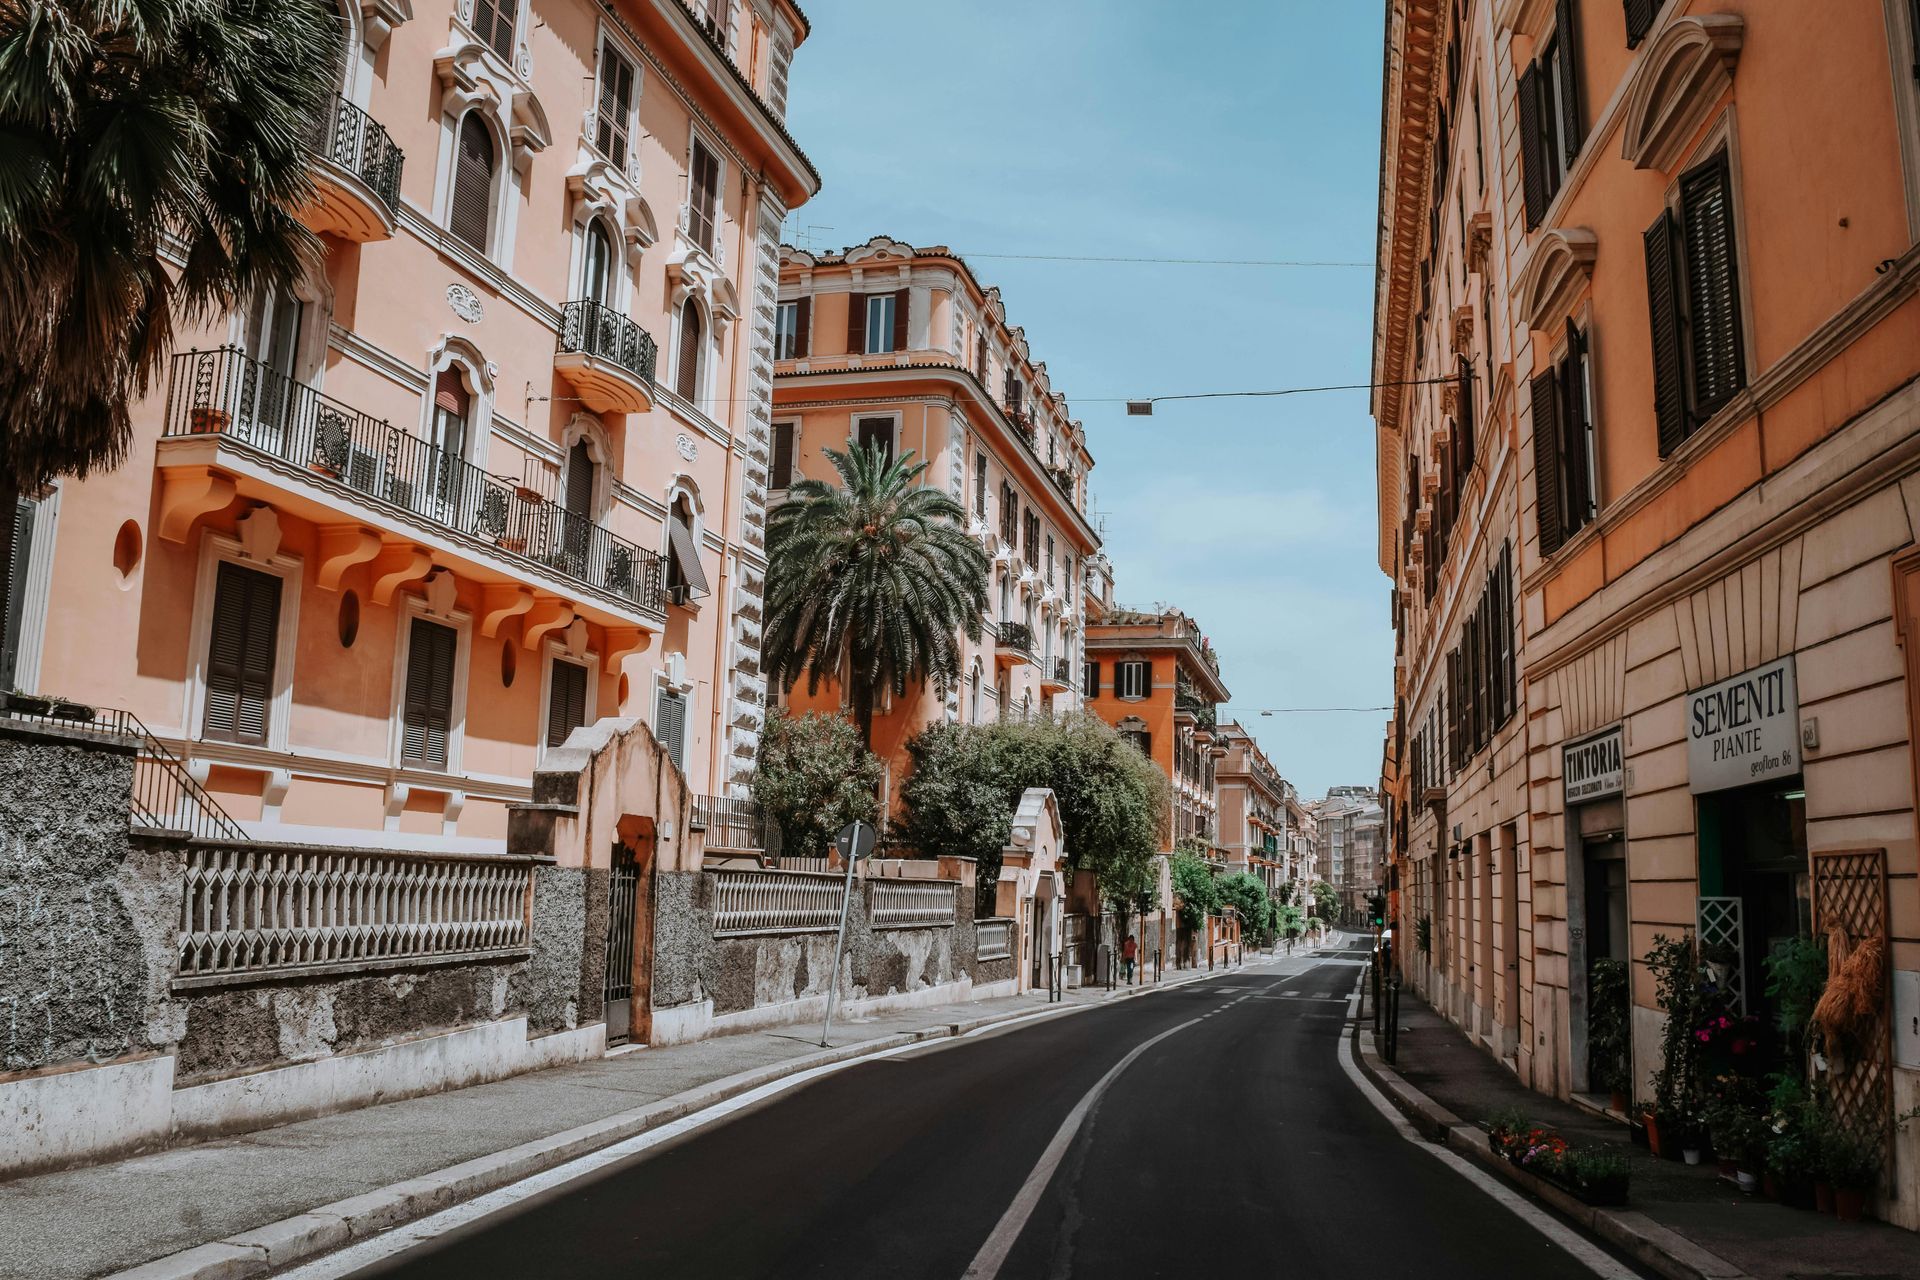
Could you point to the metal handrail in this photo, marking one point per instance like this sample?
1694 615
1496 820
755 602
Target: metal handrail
223 392
596 329
164 796
735 825
1017 636
360 144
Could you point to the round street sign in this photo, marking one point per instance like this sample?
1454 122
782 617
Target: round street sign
855 840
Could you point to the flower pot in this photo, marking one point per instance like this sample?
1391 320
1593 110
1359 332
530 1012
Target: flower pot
1617 1101
515 545
205 421
1823 1197
1653 1132
1690 1154
1849 1204
1748 1182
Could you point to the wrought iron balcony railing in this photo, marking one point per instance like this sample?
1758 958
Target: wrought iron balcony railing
224 393
596 329
1017 636
1063 671
359 144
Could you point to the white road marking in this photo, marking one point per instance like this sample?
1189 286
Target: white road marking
986 1264
1584 1251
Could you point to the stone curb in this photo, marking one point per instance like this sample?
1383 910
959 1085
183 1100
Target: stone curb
303 1237
1639 1237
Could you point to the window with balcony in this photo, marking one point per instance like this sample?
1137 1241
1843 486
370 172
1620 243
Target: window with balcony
242 649
493 22
780 466
703 195
613 118
1564 476
426 719
1132 679
470 211
790 331
1550 122
1693 303
596 264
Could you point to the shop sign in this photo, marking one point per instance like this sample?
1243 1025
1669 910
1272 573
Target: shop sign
1745 729
1594 768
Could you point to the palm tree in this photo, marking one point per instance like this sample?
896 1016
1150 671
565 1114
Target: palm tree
152 156
870 582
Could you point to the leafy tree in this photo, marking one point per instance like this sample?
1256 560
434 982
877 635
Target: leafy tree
1326 902
1248 894
870 582
967 780
1196 888
814 777
129 128
1292 922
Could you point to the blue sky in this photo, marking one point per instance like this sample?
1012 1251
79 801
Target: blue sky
1160 129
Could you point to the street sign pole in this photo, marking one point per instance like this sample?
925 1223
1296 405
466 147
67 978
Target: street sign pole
848 841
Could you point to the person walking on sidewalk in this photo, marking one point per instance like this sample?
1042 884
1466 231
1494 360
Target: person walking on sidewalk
1128 950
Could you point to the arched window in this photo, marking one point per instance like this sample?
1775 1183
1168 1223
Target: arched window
579 494
452 418
596 272
973 694
687 377
470 212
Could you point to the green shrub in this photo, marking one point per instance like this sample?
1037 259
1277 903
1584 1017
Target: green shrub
1195 888
814 777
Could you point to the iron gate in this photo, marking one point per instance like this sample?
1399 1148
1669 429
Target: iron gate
623 900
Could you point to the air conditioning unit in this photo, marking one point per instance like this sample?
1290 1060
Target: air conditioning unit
677 669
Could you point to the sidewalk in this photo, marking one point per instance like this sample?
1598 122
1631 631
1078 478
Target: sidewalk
1684 1221
282 1195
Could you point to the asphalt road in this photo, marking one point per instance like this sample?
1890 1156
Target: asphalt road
1230 1142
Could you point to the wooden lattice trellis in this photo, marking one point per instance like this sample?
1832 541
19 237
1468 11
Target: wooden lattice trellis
1850 892
1722 922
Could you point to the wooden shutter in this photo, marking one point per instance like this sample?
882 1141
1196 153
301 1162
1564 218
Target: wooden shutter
566 701
670 725
802 326
470 211
1663 317
579 495
1146 678
980 357
703 198
1533 159
1712 286
980 485
1546 463
427 716
1089 679
856 324
493 23
1509 673
1463 422
900 320
1640 20
781 476
1567 43
616 105
1577 502
686 380
240 653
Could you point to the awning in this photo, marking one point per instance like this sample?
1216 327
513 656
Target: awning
680 538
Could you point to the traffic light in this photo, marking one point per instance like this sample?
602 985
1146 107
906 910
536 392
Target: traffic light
1377 909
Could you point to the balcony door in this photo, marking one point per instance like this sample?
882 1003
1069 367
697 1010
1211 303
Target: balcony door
270 337
452 413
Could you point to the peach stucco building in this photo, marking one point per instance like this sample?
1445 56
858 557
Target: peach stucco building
904 347
1652 531
496 469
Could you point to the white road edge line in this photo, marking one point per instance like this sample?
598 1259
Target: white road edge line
986 1264
1588 1254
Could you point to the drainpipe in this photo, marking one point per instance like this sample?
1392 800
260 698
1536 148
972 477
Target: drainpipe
722 693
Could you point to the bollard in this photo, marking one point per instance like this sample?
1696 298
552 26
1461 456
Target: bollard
1373 969
1393 1020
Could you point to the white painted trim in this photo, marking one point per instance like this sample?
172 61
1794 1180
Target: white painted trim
853 426
412 607
214 548
39 588
1902 53
457 351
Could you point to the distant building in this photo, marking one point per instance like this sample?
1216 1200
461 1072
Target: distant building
1352 846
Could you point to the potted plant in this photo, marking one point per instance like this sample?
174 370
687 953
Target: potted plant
1851 1162
204 420
1607 1032
1678 992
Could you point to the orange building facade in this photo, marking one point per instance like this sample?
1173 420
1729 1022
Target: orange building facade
1649 513
495 470
903 347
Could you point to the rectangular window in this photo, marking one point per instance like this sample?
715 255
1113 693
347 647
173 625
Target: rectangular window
426 720
1032 549
1563 446
241 651
703 201
786 330
493 22
670 725
1049 559
780 473
1009 516
980 485
876 433
1142 741
1693 302
1551 129
1089 679
1132 679
886 315
566 700
615 114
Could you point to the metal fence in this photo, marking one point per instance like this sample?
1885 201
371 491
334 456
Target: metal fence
598 330
359 144
912 904
776 902
164 795
993 938
223 392
739 826
265 910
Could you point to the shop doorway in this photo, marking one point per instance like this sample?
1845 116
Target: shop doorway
1597 921
1756 895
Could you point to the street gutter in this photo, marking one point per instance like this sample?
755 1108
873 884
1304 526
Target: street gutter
303 1237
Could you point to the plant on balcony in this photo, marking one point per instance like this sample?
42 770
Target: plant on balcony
872 580
813 777
131 125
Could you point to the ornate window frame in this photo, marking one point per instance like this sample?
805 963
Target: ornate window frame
1681 74
480 374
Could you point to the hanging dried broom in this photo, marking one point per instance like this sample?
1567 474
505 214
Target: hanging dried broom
1856 989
